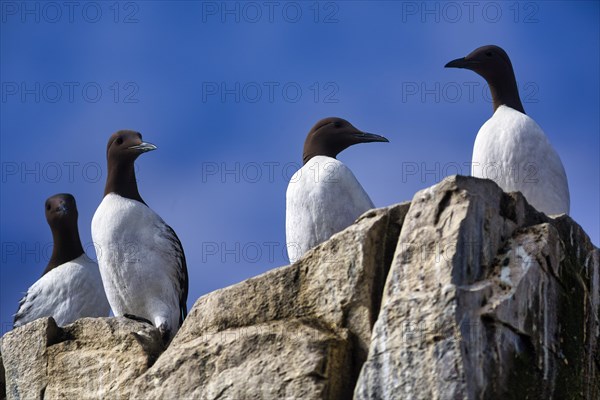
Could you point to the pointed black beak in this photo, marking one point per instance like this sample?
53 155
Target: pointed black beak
364 137
460 63
144 147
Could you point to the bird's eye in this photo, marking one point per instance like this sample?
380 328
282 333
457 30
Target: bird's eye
337 124
488 53
47 206
119 140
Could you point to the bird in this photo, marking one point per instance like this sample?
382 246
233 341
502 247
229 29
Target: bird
511 148
141 259
324 197
70 287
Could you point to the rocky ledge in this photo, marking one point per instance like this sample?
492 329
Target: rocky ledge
465 292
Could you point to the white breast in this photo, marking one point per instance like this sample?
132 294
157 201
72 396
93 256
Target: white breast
512 150
138 262
68 292
322 198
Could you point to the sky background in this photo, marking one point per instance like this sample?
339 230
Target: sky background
228 92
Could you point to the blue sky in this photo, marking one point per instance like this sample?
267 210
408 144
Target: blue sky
228 91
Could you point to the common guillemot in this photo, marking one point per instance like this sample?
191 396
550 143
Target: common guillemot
70 287
323 197
141 259
511 148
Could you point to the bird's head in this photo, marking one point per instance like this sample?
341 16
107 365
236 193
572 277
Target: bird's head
126 146
61 211
490 62
330 136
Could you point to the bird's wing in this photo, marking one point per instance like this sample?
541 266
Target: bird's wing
181 272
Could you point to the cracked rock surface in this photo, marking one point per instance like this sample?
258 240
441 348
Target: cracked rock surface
486 299
93 358
296 332
467 292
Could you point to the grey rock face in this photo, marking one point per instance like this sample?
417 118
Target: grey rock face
297 332
466 292
486 299
93 358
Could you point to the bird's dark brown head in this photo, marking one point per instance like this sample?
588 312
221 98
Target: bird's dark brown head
61 211
492 63
123 148
126 146
61 214
330 136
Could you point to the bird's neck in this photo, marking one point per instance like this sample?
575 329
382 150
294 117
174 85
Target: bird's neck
506 93
313 150
67 247
121 180
307 157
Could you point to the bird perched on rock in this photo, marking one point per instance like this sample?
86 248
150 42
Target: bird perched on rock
141 259
70 287
511 148
323 197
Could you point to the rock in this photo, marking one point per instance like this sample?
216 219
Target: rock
91 358
2 379
25 357
486 299
300 331
292 359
